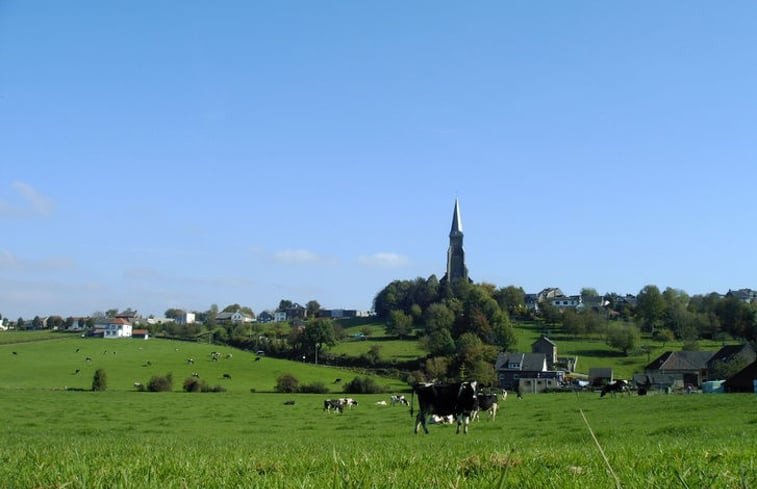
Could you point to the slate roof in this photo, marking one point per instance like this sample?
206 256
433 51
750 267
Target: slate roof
531 362
681 360
728 352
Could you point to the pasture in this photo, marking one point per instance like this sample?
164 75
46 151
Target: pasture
121 438
176 440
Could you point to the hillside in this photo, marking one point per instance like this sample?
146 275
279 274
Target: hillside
58 361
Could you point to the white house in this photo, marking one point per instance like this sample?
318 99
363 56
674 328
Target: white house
117 328
186 318
279 316
233 317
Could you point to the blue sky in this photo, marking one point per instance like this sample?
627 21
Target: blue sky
160 154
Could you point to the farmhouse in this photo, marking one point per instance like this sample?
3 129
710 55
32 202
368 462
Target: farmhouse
526 372
743 381
233 317
113 328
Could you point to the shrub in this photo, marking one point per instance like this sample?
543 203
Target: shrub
160 383
363 385
100 380
314 388
192 384
287 383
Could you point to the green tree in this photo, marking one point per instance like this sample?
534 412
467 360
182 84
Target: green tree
313 307
99 380
287 384
663 336
650 306
111 312
437 317
440 343
503 333
437 367
399 324
573 323
285 304
37 322
511 298
317 334
589 292
173 313
623 337
20 323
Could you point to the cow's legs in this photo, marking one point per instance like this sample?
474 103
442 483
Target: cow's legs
420 420
463 419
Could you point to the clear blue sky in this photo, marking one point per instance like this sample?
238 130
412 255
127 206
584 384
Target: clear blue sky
160 154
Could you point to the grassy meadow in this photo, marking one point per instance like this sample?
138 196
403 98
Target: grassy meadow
120 438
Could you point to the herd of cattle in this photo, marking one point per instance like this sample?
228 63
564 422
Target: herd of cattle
459 402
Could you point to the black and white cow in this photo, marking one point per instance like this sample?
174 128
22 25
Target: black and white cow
400 399
348 402
488 403
458 399
334 404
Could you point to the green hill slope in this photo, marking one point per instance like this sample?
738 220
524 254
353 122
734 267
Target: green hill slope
61 362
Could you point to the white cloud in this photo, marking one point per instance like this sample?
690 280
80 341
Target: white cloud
35 203
384 260
298 256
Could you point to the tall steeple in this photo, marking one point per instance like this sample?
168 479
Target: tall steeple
456 268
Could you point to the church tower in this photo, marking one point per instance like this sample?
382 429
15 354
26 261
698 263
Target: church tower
456 268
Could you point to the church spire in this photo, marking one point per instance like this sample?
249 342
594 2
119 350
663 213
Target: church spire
457 223
456 268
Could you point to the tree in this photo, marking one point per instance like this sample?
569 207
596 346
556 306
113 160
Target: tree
20 323
589 292
173 313
650 306
399 324
440 343
99 380
438 316
436 367
318 333
111 312
573 323
550 313
287 383
284 304
313 307
663 336
511 298
623 337
503 333
37 322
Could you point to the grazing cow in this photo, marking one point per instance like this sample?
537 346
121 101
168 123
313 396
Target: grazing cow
76 371
257 359
289 403
88 359
488 403
399 400
348 401
458 399
227 376
615 387
15 352
334 404
195 375
190 361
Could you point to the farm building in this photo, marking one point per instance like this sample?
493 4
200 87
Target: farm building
599 376
743 381
690 367
515 368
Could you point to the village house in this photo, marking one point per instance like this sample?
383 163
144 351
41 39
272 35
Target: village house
686 367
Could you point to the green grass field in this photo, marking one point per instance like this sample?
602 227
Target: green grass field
53 438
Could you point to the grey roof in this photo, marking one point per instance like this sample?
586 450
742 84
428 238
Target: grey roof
457 223
681 360
532 362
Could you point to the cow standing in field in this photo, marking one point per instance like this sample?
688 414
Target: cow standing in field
488 403
614 387
334 404
348 401
457 399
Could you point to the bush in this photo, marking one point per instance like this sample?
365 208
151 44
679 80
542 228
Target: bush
363 385
160 383
314 388
192 384
287 383
100 380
